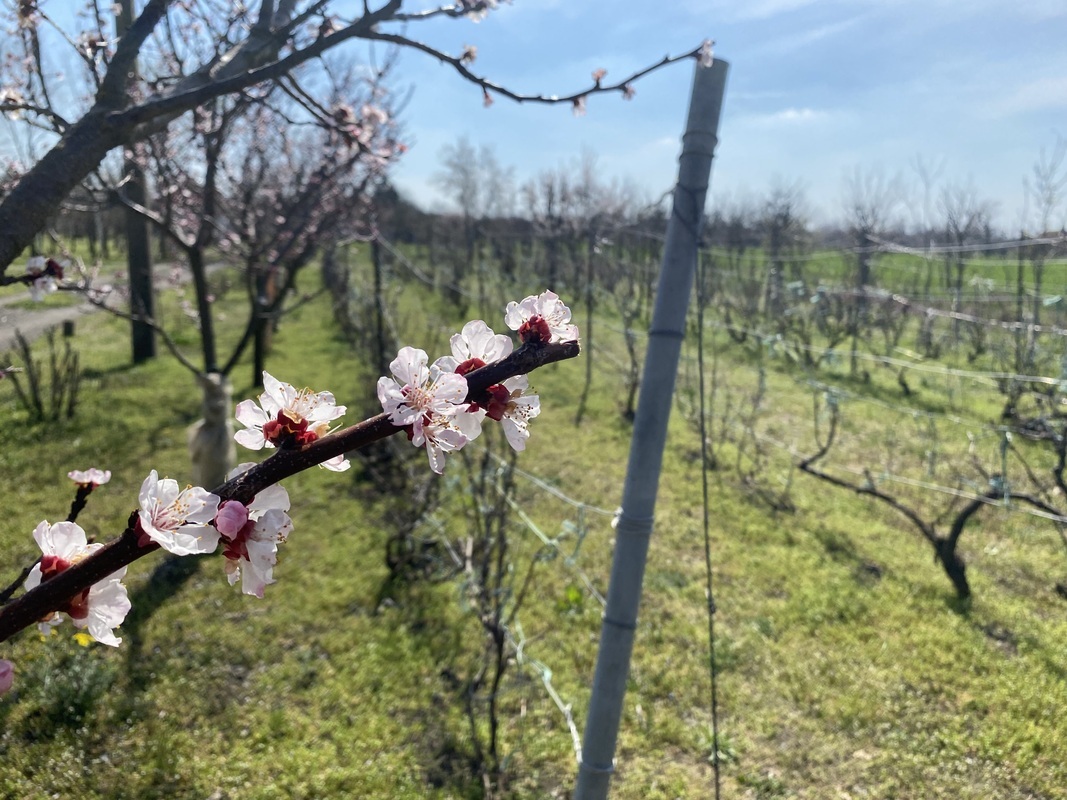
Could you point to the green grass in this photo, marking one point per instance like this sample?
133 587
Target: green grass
847 667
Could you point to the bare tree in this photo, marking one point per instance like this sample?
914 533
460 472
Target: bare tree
247 46
923 211
547 197
1000 489
783 228
480 187
870 199
965 216
1046 189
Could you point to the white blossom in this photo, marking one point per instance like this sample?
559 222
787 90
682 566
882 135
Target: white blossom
103 606
45 283
706 56
90 477
541 318
429 399
179 521
475 346
513 408
287 417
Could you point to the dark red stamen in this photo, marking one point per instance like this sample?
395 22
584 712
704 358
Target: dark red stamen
535 329
284 431
469 365
52 566
499 399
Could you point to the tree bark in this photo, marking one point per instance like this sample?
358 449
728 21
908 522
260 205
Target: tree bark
26 210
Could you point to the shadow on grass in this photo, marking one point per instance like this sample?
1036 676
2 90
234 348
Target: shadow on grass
60 690
445 756
166 581
842 550
1009 642
119 368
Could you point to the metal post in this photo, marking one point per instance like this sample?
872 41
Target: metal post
650 433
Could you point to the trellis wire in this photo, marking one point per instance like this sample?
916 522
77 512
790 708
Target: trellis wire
914 482
713 673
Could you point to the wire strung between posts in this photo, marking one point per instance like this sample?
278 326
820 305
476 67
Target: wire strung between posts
418 273
884 245
952 372
1015 508
712 668
895 362
808 381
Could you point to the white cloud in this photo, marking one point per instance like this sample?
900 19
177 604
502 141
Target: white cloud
787 116
806 38
1037 95
750 11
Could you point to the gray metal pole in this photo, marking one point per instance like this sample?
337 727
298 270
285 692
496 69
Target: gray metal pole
650 433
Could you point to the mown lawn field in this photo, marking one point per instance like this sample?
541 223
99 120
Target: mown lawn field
847 667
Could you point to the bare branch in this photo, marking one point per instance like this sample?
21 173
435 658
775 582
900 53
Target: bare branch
458 64
204 85
151 322
42 111
112 91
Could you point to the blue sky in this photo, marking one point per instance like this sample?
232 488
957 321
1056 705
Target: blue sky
815 89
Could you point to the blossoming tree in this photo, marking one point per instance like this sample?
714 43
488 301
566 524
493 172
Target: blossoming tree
253 45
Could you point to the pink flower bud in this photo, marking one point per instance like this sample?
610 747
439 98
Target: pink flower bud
231 518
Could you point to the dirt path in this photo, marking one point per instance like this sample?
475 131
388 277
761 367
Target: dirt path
33 322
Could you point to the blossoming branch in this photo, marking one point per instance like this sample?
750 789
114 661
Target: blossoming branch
441 406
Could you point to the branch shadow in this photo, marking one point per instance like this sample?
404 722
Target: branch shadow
166 581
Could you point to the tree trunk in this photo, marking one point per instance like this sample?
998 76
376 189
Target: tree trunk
203 309
211 446
954 567
27 207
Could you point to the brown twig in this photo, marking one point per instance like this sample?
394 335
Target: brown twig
460 66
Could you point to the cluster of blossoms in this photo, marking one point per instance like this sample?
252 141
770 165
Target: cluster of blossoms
428 400
286 417
184 522
41 275
100 608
